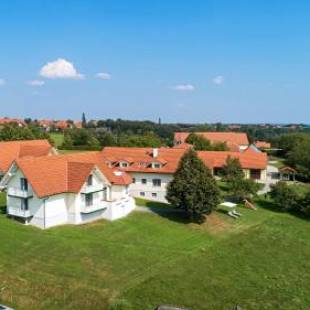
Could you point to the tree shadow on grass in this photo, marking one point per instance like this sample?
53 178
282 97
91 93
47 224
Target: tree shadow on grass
2 209
172 214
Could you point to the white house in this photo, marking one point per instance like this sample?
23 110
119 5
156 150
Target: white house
152 169
55 190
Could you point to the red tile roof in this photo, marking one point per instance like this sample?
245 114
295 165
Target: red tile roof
248 160
263 145
12 120
61 124
50 175
238 138
172 156
143 158
183 145
11 150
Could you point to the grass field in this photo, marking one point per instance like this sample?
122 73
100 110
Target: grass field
260 261
58 138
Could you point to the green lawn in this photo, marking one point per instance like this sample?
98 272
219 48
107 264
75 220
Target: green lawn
260 261
57 137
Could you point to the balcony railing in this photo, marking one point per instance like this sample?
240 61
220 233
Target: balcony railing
92 189
21 193
95 207
18 212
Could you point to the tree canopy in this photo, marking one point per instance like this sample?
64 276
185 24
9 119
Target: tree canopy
193 187
232 169
200 143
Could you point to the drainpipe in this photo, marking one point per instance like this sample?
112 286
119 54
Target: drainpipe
44 212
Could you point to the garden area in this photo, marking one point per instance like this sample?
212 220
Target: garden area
260 261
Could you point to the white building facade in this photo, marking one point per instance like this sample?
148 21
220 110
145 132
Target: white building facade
97 199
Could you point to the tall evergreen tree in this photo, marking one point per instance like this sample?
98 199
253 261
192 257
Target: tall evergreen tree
84 122
193 187
232 169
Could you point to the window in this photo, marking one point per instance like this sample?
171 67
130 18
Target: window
255 174
157 182
217 171
156 165
24 204
123 164
142 194
89 200
133 180
90 180
104 194
23 184
154 195
143 181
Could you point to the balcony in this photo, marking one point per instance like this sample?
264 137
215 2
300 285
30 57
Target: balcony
18 212
20 193
94 208
91 189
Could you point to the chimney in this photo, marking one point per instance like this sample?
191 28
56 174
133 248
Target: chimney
155 152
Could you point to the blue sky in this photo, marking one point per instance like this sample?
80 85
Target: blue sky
183 61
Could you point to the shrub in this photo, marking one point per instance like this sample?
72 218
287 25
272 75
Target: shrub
285 197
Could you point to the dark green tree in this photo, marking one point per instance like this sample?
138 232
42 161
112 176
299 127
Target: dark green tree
305 204
84 122
199 142
193 188
240 189
232 169
285 196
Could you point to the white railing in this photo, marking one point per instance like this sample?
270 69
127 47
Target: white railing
95 207
91 189
18 212
21 193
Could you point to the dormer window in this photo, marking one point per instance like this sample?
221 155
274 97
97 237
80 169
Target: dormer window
123 164
156 165
90 180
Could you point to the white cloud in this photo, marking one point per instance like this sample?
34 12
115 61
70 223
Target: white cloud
104 76
60 69
184 87
2 82
35 83
218 80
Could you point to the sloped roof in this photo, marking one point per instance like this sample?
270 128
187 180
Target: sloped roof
12 120
143 157
250 160
50 175
239 138
11 150
263 144
172 156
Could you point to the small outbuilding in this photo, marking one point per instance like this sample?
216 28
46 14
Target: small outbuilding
287 174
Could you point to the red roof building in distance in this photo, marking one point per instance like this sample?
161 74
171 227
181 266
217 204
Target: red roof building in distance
262 145
6 120
12 150
232 139
61 125
45 123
